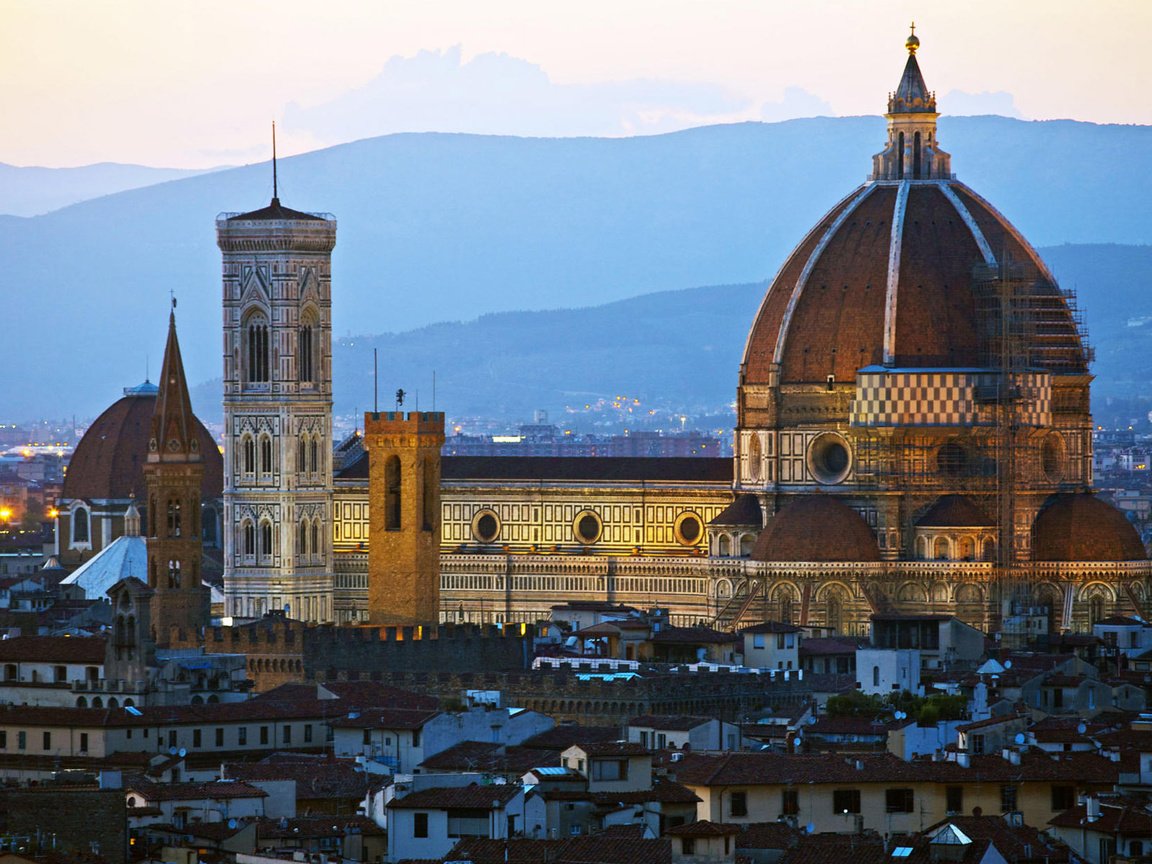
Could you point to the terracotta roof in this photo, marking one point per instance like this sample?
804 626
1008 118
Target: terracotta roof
1082 527
276 211
463 797
383 718
604 848
487 756
566 734
315 777
698 634
613 748
53 649
954 511
830 645
834 288
109 460
699 769
1129 819
1121 621
745 510
704 828
687 469
816 528
213 791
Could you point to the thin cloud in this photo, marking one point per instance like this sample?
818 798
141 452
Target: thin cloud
796 102
500 94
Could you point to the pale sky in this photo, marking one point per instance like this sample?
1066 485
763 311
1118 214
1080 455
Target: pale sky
196 84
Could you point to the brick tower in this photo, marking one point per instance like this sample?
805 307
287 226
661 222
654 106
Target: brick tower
404 516
173 473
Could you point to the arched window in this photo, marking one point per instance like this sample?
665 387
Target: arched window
248 446
317 549
314 460
173 517
429 490
306 350
265 552
152 523
249 540
301 453
916 156
80 532
900 157
833 613
875 676
303 548
173 573
392 494
256 336
265 454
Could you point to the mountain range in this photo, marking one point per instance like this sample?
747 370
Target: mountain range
438 228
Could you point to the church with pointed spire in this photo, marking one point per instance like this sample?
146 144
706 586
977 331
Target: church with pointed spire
173 472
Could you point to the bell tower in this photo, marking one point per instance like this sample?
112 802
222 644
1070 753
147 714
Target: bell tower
277 274
172 473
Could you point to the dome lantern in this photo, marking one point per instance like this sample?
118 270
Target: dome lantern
912 152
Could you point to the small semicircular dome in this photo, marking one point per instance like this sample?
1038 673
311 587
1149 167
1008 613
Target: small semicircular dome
816 528
1082 527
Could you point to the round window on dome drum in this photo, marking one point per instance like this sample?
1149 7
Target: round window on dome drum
689 529
829 458
486 526
952 459
1052 457
587 527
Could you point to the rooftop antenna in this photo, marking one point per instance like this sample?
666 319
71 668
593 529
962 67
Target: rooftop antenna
375 384
433 391
275 185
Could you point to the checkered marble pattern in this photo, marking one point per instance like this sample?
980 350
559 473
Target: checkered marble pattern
944 397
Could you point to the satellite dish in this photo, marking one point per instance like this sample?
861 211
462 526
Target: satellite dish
171 751
182 753
1019 739
232 824
1007 664
1082 728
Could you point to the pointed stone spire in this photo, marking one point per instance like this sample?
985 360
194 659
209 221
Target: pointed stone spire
132 521
173 425
912 152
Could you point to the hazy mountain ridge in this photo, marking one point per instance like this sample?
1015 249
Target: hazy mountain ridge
439 227
34 190
677 350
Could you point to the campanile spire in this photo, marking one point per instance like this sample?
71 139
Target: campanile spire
912 152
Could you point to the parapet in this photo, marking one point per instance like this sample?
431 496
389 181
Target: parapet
394 422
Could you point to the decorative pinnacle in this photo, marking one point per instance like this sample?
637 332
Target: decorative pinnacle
913 41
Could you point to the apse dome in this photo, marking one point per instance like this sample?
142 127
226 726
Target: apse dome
816 528
1082 527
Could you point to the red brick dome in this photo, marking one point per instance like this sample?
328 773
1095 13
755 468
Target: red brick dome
816 528
1082 527
109 460
857 293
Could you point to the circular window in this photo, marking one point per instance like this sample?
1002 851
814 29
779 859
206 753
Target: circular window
755 456
952 459
587 527
1052 457
485 526
689 529
829 458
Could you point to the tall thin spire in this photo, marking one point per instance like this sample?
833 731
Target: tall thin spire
275 185
173 425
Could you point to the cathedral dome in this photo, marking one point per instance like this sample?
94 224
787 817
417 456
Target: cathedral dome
897 273
954 511
1082 527
816 528
109 460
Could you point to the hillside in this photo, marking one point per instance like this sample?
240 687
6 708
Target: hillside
437 228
